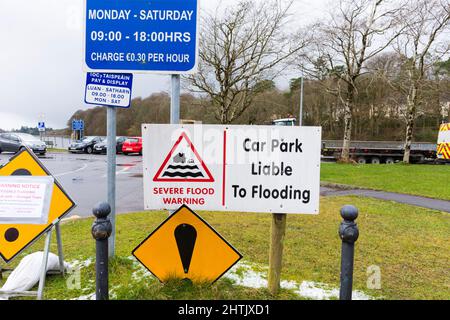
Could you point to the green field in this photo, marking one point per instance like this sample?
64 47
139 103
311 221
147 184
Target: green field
423 180
409 244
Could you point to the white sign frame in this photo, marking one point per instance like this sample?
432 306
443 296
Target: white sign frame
292 178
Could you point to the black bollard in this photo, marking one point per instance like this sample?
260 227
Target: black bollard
349 233
101 230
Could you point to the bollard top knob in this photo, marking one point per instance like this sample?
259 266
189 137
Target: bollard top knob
349 213
101 210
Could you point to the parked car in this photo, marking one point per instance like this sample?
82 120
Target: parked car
119 143
7 144
85 145
102 146
132 145
14 141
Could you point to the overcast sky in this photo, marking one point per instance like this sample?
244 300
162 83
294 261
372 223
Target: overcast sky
41 59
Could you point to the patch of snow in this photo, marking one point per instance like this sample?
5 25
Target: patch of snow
316 291
140 272
244 274
90 296
77 264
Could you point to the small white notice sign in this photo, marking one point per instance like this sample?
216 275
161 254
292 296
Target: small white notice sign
109 89
25 200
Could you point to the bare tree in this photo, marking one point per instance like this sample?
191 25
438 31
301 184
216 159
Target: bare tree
424 22
240 47
357 31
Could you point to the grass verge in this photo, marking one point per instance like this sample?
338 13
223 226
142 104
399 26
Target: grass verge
422 180
410 246
56 150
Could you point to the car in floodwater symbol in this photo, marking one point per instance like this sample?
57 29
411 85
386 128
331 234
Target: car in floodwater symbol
180 158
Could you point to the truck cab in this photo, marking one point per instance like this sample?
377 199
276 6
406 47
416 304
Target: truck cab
285 122
443 143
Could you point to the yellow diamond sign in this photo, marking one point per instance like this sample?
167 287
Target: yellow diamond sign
14 238
186 247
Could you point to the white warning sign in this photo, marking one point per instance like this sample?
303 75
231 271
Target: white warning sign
232 168
25 199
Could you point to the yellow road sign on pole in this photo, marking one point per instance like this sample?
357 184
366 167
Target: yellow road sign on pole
186 247
14 238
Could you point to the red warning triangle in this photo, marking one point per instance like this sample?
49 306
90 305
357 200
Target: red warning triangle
183 164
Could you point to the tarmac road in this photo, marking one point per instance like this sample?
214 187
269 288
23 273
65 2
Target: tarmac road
84 179
435 204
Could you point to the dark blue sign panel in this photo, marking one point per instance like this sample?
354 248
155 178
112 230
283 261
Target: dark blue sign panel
142 35
77 125
109 89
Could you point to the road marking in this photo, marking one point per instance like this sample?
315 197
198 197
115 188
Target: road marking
123 171
70 172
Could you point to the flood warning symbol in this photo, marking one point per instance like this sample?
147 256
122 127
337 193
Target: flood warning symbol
183 164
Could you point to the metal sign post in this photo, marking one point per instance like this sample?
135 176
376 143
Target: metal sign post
111 173
175 99
300 119
111 90
175 104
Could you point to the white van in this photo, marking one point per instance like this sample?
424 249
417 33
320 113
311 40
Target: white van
443 144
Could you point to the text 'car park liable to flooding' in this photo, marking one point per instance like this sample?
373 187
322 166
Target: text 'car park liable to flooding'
232 168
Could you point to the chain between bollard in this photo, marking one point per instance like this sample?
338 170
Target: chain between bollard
101 230
349 233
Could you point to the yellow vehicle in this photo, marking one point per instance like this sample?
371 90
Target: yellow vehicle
443 144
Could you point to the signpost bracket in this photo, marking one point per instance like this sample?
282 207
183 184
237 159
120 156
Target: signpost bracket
48 240
60 249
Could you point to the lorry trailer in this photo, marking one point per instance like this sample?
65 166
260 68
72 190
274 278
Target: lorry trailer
377 152
388 152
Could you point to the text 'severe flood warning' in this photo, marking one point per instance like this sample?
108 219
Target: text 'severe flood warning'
232 168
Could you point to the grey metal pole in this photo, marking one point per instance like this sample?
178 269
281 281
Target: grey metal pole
175 104
111 173
48 241
175 99
349 233
60 248
101 230
300 121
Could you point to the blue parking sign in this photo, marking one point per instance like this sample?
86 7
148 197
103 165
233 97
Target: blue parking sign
109 89
77 125
159 36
